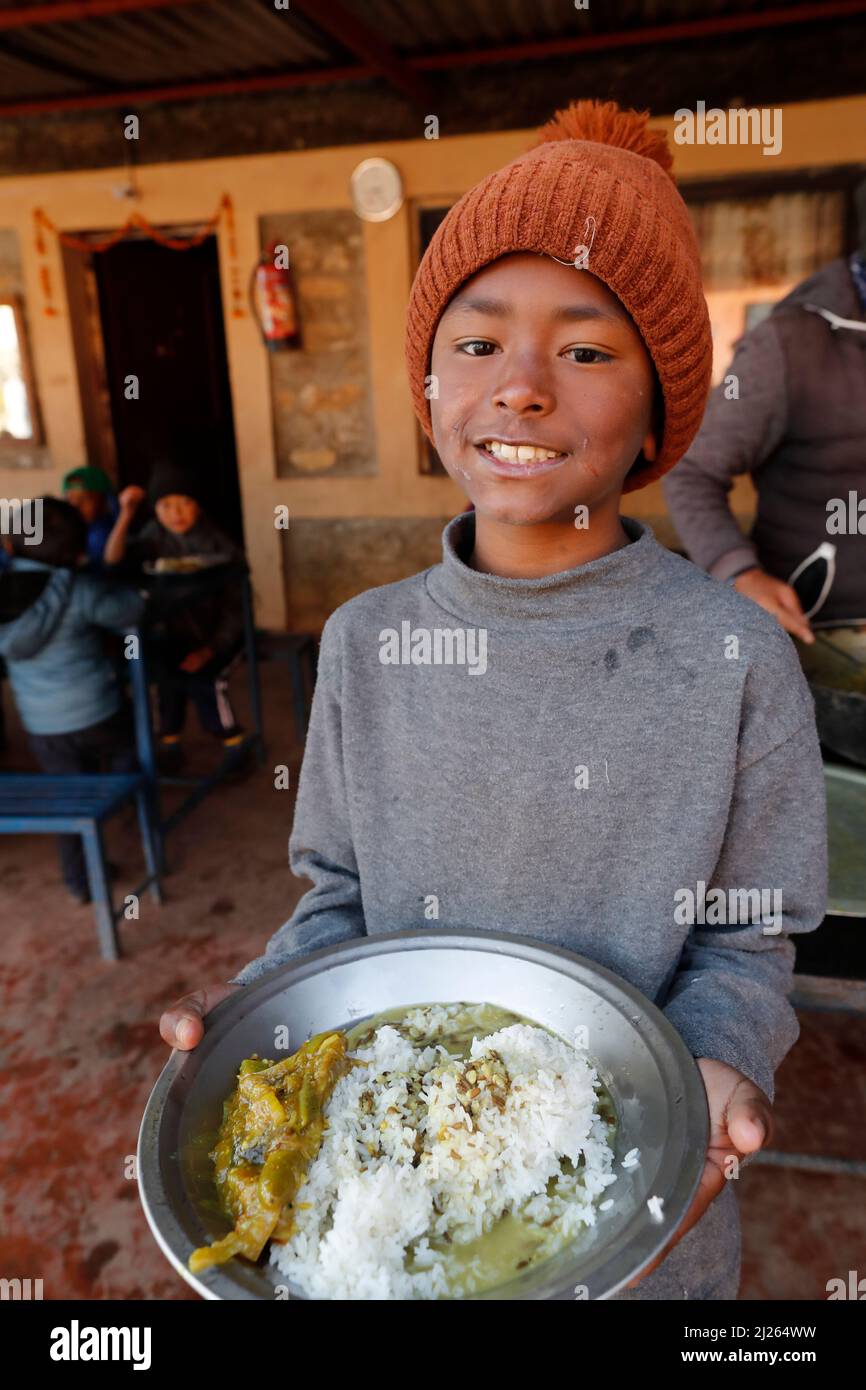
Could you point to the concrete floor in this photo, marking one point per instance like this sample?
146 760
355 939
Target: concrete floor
81 1051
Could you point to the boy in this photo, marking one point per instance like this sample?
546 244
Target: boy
198 635
90 492
52 624
635 731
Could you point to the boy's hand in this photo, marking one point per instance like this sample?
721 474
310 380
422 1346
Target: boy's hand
130 499
181 1024
193 661
741 1123
778 598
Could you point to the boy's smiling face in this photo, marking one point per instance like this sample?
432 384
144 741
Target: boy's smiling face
533 352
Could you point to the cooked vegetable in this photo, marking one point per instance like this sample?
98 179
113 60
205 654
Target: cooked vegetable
271 1131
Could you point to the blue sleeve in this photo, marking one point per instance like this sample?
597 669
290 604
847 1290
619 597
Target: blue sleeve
115 607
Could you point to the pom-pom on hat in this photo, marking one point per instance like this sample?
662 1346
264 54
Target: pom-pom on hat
599 178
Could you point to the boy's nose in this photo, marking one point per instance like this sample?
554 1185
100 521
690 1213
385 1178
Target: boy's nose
524 394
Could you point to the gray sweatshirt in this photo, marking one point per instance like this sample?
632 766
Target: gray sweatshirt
618 734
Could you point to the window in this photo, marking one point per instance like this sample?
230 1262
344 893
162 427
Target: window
760 237
18 416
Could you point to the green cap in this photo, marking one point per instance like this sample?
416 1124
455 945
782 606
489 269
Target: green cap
89 477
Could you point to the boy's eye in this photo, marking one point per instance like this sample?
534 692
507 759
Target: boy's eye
476 343
590 354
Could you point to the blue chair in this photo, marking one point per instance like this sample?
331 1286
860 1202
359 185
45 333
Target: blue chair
44 804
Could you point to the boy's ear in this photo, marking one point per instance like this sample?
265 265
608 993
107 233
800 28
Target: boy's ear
653 437
650 445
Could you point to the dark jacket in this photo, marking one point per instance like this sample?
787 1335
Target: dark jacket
799 428
188 618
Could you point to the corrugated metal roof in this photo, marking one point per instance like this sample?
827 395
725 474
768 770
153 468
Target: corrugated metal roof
414 26
196 41
203 40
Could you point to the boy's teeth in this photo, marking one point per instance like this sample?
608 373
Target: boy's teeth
526 453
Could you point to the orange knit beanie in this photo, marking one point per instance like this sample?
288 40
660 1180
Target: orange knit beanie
596 190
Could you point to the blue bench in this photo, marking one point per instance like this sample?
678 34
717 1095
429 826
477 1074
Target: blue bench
43 804
39 804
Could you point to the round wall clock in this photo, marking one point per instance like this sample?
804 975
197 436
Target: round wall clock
377 190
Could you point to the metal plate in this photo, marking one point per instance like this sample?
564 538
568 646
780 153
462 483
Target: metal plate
653 1079
846 833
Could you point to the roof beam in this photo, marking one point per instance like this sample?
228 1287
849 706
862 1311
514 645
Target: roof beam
358 38
190 91
527 51
706 28
14 48
73 11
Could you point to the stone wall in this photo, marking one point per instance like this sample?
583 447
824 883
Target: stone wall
328 562
322 410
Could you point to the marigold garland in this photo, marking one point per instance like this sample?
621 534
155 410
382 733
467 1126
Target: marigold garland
138 222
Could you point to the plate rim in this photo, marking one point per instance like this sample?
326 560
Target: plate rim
611 1271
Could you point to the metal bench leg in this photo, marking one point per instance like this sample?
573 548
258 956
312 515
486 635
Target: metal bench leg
253 684
100 893
151 840
299 697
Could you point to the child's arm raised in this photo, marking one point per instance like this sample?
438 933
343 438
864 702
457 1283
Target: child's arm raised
128 502
321 846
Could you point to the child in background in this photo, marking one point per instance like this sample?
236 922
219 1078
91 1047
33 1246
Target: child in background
52 623
638 732
90 492
196 639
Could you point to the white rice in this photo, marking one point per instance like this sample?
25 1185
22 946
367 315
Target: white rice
362 1216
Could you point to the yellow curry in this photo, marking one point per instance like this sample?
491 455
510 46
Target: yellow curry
271 1131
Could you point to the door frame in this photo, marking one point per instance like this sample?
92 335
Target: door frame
88 341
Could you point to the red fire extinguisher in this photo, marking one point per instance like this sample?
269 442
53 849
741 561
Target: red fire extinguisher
272 300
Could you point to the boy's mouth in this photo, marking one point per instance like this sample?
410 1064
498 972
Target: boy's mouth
517 458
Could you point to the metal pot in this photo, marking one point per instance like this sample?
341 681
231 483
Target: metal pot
835 667
653 1079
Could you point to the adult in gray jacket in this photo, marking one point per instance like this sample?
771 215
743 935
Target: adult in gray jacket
791 411
53 620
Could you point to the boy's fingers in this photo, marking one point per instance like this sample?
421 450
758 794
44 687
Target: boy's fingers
189 1031
182 1023
750 1124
